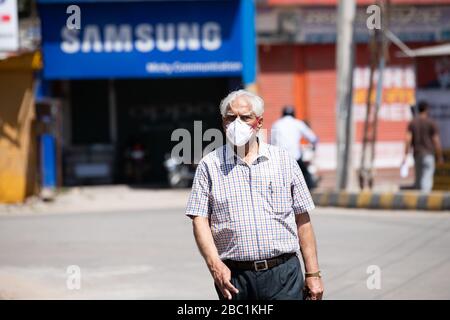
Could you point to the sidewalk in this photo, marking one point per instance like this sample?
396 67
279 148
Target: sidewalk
102 199
125 198
386 194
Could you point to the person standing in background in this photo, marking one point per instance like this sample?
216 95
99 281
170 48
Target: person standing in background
287 133
423 136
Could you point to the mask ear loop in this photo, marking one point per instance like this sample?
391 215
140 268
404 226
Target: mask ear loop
256 123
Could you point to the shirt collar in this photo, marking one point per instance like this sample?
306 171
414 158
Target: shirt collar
263 151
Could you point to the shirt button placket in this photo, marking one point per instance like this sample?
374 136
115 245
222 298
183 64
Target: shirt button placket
255 220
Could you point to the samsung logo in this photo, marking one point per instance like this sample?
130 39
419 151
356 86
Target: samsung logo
143 38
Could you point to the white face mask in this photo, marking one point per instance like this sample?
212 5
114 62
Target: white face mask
239 133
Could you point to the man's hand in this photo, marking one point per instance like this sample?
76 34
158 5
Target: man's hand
222 276
315 287
408 142
308 249
218 269
404 160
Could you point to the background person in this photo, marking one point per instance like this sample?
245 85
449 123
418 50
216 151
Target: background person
423 136
287 132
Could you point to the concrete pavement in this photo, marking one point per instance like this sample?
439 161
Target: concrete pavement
101 199
150 253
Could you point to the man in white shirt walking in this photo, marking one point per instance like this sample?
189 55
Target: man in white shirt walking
287 133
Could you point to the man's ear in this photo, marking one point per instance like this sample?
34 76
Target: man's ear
223 125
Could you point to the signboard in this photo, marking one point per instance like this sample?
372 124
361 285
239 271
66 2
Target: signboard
143 39
398 92
9 30
318 24
433 72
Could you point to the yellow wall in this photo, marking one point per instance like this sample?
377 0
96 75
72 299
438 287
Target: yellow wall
16 118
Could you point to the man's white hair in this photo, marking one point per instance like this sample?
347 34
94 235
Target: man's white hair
256 101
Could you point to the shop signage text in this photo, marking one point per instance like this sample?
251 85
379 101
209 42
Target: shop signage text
398 94
143 38
318 24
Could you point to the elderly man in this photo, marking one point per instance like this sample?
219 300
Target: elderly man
249 206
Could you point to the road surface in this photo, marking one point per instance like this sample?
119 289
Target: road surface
151 254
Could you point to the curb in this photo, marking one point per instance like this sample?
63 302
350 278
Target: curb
406 200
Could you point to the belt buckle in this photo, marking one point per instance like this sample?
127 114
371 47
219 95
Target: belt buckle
264 267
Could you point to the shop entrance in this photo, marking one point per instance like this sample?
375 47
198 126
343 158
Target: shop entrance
149 110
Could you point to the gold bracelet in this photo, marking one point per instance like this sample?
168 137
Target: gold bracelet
313 274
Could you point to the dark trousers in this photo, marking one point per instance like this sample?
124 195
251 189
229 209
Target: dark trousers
283 282
306 174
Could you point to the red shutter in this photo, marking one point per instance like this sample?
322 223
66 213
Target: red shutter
276 80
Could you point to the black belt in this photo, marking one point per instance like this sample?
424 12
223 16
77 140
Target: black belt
260 265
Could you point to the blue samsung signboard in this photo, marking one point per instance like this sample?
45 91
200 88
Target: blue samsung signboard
133 39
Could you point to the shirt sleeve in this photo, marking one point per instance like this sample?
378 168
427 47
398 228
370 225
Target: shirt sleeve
307 132
434 128
302 201
198 203
274 134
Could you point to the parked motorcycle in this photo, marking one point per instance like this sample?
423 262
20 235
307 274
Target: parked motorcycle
136 164
179 174
308 156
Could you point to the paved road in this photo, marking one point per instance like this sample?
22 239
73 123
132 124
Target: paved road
152 255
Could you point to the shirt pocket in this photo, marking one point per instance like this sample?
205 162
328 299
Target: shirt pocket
276 195
280 198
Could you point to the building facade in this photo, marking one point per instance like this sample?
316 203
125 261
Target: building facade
19 60
297 66
137 70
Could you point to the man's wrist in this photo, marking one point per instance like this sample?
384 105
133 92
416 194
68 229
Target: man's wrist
316 274
211 262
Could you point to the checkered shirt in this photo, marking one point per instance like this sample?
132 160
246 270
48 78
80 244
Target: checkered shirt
251 208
